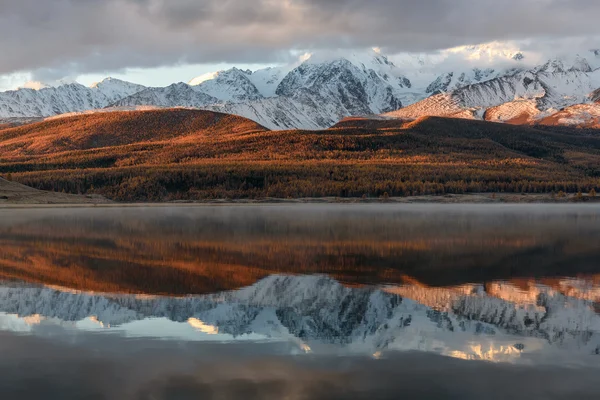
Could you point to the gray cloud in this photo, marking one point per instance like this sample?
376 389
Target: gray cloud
66 37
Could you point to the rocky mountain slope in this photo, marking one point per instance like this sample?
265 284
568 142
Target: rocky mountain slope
522 96
496 322
315 94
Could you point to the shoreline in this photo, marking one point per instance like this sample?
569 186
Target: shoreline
474 198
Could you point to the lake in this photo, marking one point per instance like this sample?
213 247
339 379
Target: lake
300 301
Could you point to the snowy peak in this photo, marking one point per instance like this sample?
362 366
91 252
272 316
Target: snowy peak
512 95
203 78
314 93
38 100
372 62
452 81
116 89
364 84
230 85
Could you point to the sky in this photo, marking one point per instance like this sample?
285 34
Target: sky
157 42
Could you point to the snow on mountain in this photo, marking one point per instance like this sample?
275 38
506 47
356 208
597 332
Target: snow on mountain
368 85
439 105
321 89
279 113
514 112
223 84
115 89
579 115
175 95
497 322
48 101
268 79
494 80
556 84
452 81
233 85
315 94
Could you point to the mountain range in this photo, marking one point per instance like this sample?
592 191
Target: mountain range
318 91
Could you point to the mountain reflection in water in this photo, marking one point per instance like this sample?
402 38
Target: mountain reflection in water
212 292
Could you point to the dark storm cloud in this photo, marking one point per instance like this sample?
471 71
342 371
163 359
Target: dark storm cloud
60 37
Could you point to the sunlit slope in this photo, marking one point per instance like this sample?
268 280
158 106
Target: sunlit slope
110 130
183 154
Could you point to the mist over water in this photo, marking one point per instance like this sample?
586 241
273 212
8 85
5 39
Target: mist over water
183 250
300 302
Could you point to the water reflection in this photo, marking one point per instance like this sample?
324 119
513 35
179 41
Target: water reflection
514 285
497 322
180 251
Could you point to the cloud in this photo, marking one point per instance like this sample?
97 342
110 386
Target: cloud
68 37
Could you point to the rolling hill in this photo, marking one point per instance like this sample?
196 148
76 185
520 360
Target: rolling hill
177 154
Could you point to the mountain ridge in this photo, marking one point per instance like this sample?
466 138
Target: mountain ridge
319 90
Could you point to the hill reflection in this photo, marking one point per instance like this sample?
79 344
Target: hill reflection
197 250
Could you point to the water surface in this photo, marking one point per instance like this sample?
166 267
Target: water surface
345 290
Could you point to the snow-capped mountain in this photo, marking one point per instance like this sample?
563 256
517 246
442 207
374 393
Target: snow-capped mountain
175 95
319 90
450 81
538 91
317 93
233 85
47 101
497 322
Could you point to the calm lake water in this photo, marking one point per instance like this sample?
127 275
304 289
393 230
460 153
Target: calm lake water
300 302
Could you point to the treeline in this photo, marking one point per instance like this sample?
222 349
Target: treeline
282 180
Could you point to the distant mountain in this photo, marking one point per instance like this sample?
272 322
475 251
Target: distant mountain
320 90
175 95
518 96
452 80
315 94
48 101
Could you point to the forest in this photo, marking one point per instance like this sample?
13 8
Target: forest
168 155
